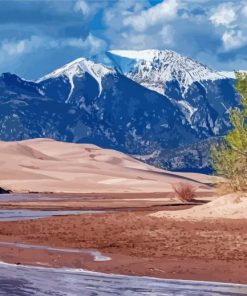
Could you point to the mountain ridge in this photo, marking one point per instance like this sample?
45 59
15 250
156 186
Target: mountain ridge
152 68
79 67
89 102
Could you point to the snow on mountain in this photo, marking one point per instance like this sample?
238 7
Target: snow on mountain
187 83
202 95
231 74
228 74
147 55
187 109
153 68
78 68
144 103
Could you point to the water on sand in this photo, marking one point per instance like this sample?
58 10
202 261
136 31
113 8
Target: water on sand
23 281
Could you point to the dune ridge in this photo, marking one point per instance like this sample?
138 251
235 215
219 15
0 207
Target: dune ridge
230 206
45 165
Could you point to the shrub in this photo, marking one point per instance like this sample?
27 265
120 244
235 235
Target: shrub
185 191
230 159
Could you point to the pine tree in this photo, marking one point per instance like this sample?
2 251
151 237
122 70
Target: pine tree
230 158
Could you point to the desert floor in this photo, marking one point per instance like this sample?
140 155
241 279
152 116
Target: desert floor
214 250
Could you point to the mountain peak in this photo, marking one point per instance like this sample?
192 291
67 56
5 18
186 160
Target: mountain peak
153 68
78 68
147 54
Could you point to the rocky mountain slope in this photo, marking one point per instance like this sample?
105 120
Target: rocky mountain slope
139 102
203 95
132 118
194 157
154 68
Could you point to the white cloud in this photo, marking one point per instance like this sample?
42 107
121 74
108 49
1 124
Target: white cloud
244 10
119 10
230 24
193 27
83 7
234 39
153 16
167 33
14 48
235 63
136 40
225 15
185 26
92 45
136 25
89 8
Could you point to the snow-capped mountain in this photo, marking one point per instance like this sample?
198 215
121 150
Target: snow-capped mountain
140 102
203 95
124 111
231 74
154 68
80 68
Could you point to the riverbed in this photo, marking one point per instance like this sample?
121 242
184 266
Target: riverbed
23 281
137 244
21 214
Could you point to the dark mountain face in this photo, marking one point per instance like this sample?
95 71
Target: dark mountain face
26 113
203 95
129 116
125 116
188 158
212 101
87 102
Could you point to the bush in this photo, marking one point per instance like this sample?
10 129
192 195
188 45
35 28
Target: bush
184 191
230 159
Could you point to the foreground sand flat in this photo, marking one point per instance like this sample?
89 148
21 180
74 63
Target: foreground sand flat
79 176
44 165
137 243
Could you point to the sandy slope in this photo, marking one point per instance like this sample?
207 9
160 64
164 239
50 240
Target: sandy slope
46 165
231 206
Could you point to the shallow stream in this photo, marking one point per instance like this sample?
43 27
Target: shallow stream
25 281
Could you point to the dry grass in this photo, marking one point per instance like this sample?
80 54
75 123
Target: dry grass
184 191
224 188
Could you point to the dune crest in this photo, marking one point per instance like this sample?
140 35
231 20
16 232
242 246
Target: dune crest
230 206
45 165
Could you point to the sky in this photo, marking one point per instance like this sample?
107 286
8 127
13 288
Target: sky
38 36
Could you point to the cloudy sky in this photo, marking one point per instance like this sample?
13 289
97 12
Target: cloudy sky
37 36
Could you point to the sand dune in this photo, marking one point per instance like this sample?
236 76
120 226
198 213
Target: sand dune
231 206
44 165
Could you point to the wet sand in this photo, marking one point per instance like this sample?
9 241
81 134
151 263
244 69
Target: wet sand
137 243
20 214
96 201
23 281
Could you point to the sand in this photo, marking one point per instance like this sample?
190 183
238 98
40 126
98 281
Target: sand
231 206
45 165
137 243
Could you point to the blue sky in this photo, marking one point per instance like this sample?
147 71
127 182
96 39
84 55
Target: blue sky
37 36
